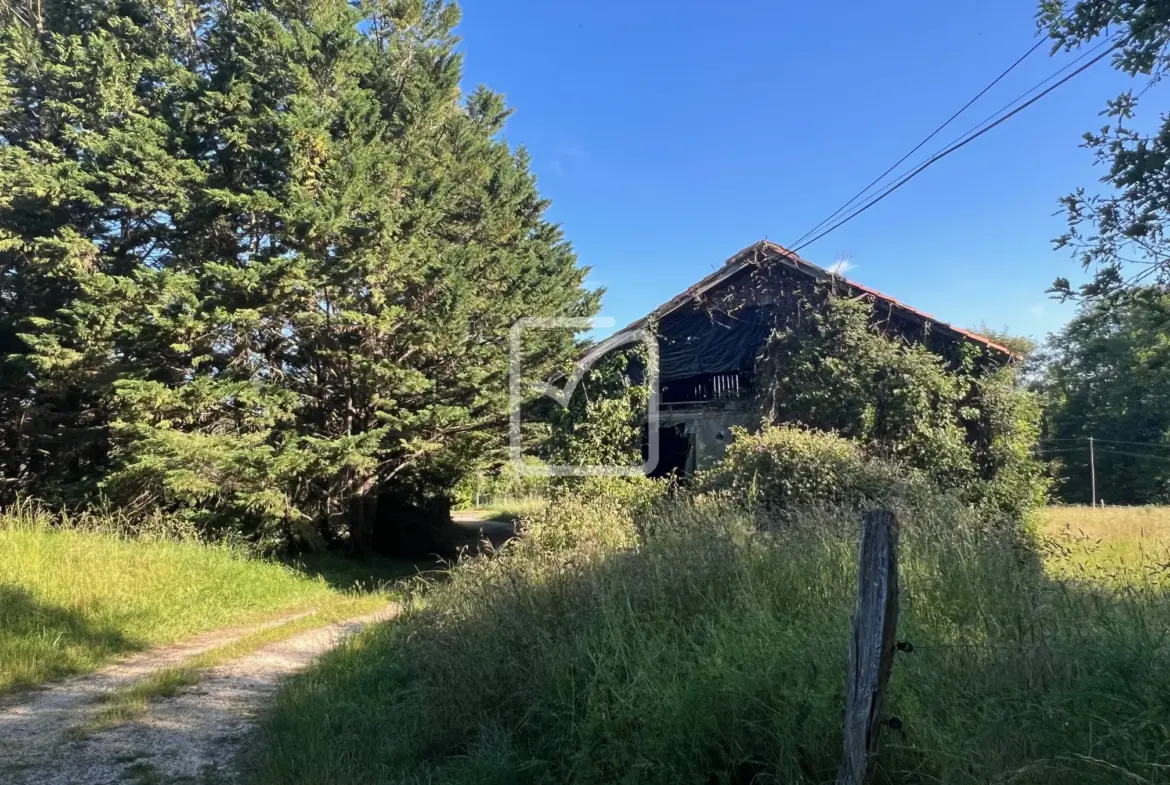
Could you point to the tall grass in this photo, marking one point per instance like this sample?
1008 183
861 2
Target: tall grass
716 652
73 598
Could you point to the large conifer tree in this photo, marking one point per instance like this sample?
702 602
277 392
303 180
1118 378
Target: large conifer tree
258 260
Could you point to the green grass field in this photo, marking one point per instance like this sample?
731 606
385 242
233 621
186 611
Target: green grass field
73 600
717 654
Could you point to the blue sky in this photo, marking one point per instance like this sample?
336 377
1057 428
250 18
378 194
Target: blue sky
669 135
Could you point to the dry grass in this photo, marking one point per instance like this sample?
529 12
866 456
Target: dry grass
1110 524
1106 544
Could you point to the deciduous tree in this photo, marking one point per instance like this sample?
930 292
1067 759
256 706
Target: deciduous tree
1120 234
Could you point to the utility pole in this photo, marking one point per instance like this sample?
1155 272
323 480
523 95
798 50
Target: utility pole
1093 470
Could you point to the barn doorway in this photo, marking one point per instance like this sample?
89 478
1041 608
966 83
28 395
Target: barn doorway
674 451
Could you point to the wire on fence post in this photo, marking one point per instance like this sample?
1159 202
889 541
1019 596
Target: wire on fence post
871 646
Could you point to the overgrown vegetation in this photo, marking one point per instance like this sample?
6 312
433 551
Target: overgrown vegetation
604 421
73 598
602 425
699 641
963 421
491 485
783 468
258 264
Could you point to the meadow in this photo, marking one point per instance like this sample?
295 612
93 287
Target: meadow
676 640
714 650
1103 537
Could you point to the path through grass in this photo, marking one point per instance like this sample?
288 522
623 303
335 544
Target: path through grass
131 702
71 601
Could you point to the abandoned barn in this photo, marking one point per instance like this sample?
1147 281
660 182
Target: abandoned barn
710 336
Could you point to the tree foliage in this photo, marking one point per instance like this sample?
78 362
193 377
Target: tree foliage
1108 376
1121 234
602 427
967 423
605 419
259 260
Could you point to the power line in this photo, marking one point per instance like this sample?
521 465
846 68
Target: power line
1160 445
957 146
919 146
1087 53
1138 444
1113 451
1106 450
954 147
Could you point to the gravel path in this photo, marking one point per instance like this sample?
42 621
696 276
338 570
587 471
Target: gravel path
192 738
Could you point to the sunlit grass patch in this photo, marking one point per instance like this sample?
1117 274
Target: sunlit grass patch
1114 544
509 508
73 600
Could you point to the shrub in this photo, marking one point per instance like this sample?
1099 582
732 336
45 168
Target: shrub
603 421
594 514
499 484
784 467
577 523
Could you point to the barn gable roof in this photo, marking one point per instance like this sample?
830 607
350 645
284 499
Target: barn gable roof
766 253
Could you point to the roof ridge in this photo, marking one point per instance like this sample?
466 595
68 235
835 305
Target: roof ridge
771 250
970 335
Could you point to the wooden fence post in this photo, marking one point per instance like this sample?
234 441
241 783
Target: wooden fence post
871 648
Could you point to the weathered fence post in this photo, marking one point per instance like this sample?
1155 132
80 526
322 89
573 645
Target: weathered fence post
871 648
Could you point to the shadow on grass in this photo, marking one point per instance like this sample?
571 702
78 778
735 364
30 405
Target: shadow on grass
40 641
365 574
715 661
471 532
373 572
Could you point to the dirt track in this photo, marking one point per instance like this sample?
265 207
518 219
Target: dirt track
192 738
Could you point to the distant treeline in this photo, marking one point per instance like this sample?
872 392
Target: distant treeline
1107 375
